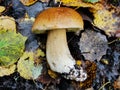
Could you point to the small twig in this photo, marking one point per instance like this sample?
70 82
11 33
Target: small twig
77 8
113 41
103 86
71 39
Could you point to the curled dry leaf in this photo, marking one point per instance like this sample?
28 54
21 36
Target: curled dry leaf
7 70
7 23
29 65
80 3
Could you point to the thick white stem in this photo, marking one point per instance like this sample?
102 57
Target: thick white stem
57 52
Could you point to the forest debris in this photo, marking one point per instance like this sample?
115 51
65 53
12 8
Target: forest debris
93 45
44 0
2 8
52 74
28 2
106 20
24 26
29 65
11 47
7 70
80 3
117 83
91 69
89 88
7 23
91 1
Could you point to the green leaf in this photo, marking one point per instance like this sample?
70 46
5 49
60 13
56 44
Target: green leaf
11 47
91 1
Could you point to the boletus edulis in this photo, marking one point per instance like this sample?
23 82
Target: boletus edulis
56 21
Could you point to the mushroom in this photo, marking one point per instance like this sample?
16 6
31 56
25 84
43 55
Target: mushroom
58 20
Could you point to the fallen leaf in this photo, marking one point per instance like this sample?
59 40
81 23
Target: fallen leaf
28 2
117 83
7 23
26 66
91 1
80 3
93 45
2 8
7 70
106 20
11 47
91 69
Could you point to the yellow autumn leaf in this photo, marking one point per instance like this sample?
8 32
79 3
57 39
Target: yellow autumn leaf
7 70
2 8
26 65
106 20
7 23
28 2
80 3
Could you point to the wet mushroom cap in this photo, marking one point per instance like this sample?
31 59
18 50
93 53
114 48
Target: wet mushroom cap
57 18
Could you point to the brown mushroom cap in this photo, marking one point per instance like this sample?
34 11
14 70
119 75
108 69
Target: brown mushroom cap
57 18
